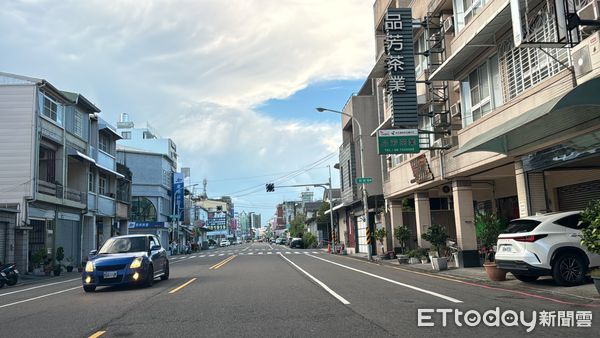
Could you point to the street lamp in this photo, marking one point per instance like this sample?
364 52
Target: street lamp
362 168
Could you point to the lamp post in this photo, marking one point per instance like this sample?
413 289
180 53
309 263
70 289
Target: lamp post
362 169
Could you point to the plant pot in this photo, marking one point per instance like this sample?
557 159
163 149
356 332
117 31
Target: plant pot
69 268
439 264
56 272
494 273
413 260
402 259
424 261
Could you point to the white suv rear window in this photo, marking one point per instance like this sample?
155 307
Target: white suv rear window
521 225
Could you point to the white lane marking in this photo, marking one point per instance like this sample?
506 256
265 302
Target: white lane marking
193 257
333 293
221 254
269 252
296 252
315 252
270 247
38 297
213 255
202 256
250 253
288 252
246 248
260 253
37 287
453 300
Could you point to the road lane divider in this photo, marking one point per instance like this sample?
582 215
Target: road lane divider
97 334
39 286
182 285
38 297
321 284
435 294
221 263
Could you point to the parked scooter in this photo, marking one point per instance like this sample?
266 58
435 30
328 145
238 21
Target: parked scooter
9 274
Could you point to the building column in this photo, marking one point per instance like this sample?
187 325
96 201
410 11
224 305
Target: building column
531 191
396 219
423 215
464 214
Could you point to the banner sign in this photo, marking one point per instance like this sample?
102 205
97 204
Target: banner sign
144 225
178 193
400 87
216 221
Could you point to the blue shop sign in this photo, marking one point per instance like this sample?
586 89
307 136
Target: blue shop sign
144 225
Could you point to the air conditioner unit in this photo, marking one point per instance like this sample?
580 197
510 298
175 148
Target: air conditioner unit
448 25
586 58
440 121
591 11
443 143
455 110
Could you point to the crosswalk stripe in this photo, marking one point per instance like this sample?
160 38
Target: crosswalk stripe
269 253
250 253
296 252
287 252
213 255
202 256
260 253
193 257
221 254
315 252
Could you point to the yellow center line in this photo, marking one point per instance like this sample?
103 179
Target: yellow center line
220 264
182 286
97 334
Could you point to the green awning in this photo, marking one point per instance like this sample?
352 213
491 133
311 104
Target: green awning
577 109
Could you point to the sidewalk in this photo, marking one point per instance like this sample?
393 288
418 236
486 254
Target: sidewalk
25 279
582 294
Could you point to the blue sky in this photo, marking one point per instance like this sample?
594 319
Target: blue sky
233 83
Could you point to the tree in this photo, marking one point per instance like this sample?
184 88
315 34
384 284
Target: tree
322 218
380 236
437 236
402 234
487 229
297 226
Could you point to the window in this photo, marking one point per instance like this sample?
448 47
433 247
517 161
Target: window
523 68
342 177
47 165
465 11
481 91
104 143
126 135
103 184
50 108
92 182
142 209
420 60
573 222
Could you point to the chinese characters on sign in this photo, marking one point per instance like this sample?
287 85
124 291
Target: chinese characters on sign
400 87
397 141
178 195
421 170
217 221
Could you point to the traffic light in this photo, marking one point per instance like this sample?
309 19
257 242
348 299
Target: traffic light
270 187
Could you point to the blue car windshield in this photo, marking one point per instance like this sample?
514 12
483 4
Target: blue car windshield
122 245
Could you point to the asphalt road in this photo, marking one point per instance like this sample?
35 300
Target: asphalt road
273 291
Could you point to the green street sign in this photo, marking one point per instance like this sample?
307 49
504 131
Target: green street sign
398 141
364 180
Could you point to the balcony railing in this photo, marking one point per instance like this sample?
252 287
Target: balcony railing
50 189
75 195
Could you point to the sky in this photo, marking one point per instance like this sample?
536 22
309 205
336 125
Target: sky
234 83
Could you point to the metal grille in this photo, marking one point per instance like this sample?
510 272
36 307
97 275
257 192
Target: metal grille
110 267
523 68
577 196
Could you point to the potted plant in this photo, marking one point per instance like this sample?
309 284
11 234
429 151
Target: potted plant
37 260
590 235
437 236
380 236
487 229
69 264
424 259
402 234
60 255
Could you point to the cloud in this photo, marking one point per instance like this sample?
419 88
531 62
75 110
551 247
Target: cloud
197 70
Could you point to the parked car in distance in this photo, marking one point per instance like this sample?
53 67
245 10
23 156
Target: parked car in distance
224 243
278 240
239 241
546 244
297 243
131 259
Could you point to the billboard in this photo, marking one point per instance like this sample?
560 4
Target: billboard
216 221
400 85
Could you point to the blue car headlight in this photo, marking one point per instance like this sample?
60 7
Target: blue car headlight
137 263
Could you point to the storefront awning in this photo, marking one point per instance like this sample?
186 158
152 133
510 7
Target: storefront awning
76 153
576 110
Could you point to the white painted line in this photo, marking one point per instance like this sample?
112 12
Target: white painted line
221 254
213 255
246 248
193 257
39 286
288 252
202 256
315 252
260 253
38 297
453 300
269 252
250 253
270 247
331 292
296 252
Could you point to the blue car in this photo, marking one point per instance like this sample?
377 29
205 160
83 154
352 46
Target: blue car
132 259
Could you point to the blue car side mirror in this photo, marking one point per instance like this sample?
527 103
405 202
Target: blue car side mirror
155 248
93 252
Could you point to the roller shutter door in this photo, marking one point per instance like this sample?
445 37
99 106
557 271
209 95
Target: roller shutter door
578 196
3 239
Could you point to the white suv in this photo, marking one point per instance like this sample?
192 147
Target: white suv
547 244
225 243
